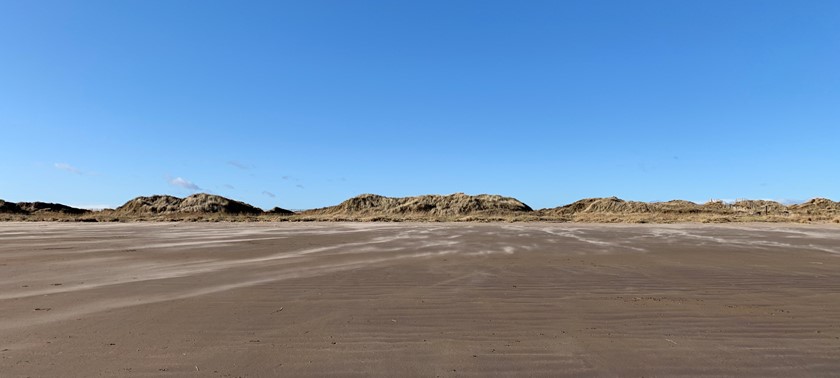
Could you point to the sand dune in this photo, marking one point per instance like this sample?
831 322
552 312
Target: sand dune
458 204
201 203
453 207
35 208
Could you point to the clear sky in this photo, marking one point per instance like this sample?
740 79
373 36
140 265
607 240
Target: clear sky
304 104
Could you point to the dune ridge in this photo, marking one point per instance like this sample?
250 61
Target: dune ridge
433 207
430 205
34 208
201 203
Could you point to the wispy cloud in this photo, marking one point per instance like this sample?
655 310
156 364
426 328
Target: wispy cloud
286 177
239 164
93 207
299 186
267 193
229 186
790 201
183 183
68 168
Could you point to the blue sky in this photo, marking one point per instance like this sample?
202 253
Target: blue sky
304 104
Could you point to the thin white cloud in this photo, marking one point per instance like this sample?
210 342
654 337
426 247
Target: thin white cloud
724 200
67 167
229 186
239 164
790 201
299 186
93 207
183 183
270 194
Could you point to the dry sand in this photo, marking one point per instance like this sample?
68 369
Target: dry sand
316 299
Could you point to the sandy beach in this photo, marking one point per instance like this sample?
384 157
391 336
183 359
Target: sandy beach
418 299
